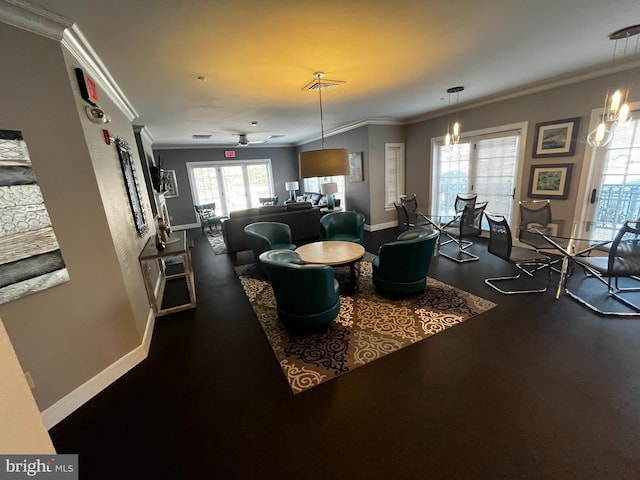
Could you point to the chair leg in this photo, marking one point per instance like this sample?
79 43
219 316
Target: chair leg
612 291
493 282
624 301
462 245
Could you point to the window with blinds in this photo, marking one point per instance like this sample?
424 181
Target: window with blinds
230 185
485 165
393 173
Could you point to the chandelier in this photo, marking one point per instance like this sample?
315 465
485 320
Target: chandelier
452 136
616 109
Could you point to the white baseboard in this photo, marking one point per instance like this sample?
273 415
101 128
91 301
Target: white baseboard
381 226
85 392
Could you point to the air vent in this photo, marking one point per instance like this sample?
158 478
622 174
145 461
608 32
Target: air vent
201 136
320 82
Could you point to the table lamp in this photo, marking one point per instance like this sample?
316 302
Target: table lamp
329 189
291 187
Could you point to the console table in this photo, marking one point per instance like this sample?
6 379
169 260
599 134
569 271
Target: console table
176 247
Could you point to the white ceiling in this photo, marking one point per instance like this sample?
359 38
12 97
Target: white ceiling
397 58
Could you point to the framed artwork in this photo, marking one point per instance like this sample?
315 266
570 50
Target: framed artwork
170 183
355 167
131 185
30 257
550 181
557 138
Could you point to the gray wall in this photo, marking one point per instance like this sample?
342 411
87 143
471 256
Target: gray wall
576 100
284 165
68 334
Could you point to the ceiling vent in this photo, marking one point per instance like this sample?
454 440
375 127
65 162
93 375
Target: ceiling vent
320 82
201 136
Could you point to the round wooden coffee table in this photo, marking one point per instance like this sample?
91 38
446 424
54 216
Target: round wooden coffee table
335 253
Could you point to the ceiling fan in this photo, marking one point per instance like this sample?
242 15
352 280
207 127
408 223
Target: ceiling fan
243 141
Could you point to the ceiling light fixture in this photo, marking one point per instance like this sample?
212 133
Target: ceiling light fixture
453 134
616 107
326 162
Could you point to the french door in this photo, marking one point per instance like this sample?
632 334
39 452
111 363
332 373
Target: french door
612 185
230 185
486 165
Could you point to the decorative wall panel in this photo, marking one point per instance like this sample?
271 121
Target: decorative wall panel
30 257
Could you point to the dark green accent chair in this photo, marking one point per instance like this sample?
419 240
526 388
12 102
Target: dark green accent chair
345 226
307 296
401 267
265 236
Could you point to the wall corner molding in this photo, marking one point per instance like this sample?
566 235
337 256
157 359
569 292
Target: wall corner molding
33 19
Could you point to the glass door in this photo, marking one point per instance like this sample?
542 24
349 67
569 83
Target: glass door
613 186
231 185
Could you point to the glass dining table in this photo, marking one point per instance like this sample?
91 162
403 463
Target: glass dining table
581 239
438 222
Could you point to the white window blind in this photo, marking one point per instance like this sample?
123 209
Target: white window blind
485 165
393 173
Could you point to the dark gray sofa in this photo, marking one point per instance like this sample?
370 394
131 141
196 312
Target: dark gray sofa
302 217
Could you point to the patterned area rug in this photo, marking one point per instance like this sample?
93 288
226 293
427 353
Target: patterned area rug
216 241
368 327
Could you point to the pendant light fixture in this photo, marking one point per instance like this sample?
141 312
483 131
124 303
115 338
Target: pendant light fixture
452 136
616 109
325 162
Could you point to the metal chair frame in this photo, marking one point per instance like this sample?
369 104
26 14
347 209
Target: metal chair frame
542 216
469 225
623 261
501 245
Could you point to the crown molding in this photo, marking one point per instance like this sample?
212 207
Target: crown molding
76 43
33 19
544 85
36 20
352 126
143 131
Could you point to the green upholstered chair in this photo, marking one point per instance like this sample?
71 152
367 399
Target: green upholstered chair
400 268
265 236
307 296
345 226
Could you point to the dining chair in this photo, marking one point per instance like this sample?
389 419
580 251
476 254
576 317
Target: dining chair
469 225
501 245
461 201
537 214
623 261
406 220
414 217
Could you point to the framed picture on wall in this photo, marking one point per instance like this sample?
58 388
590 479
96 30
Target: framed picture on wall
550 181
355 167
171 185
556 138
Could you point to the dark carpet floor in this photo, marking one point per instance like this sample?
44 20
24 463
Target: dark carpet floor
535 388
